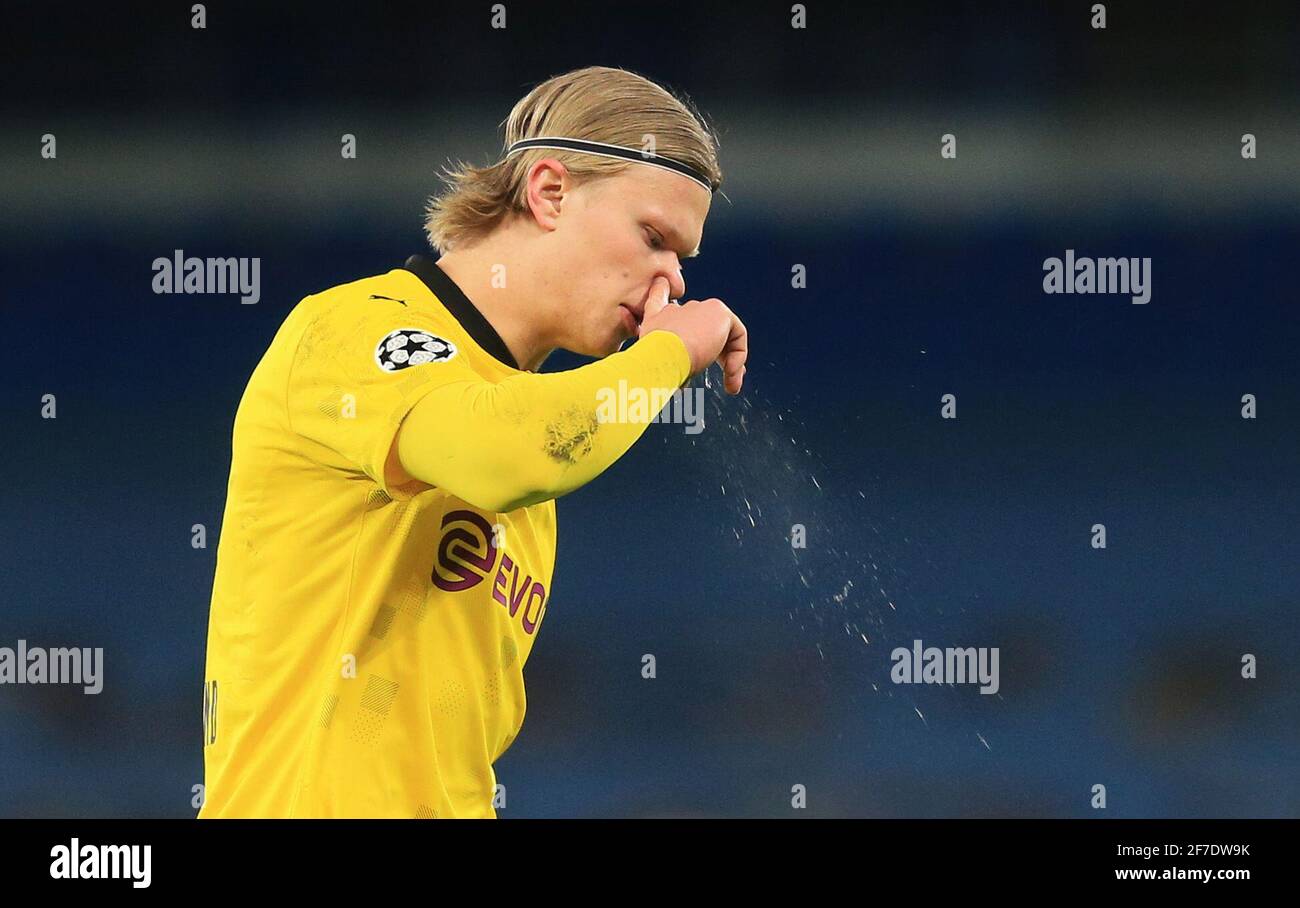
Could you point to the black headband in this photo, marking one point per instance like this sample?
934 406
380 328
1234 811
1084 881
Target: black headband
612 151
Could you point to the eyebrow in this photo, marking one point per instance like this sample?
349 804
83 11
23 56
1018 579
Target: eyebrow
690 255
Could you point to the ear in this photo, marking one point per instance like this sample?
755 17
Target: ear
548 184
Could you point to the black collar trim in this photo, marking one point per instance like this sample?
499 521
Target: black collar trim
459 305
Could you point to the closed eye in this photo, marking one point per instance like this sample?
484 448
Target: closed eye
656 241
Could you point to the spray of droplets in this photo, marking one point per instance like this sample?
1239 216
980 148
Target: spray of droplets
844 588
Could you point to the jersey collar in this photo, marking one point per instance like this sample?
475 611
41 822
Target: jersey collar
458 304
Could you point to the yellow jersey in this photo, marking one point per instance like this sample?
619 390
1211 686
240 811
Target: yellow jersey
368 631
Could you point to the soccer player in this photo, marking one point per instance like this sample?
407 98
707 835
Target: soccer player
388 544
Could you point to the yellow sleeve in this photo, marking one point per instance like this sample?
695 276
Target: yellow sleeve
353 378
533 437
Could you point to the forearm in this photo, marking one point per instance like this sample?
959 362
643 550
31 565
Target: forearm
534 436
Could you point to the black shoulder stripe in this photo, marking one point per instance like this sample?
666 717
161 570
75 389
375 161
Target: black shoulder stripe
458 304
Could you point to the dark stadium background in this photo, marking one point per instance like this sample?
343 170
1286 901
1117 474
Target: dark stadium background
1119 667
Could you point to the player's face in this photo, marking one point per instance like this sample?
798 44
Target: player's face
622 232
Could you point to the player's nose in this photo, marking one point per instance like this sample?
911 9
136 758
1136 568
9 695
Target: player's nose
676 283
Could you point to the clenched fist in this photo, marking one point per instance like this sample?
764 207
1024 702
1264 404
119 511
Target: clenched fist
711 332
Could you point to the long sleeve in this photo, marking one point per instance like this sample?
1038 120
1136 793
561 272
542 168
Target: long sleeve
533 437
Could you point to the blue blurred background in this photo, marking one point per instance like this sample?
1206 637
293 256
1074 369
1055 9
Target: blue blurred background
924 277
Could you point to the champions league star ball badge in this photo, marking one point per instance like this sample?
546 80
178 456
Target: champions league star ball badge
407 347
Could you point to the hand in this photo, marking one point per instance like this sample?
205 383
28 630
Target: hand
711 332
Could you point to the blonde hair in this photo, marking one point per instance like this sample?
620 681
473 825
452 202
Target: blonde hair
598 103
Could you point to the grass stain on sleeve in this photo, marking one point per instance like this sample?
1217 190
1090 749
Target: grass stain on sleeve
569 436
